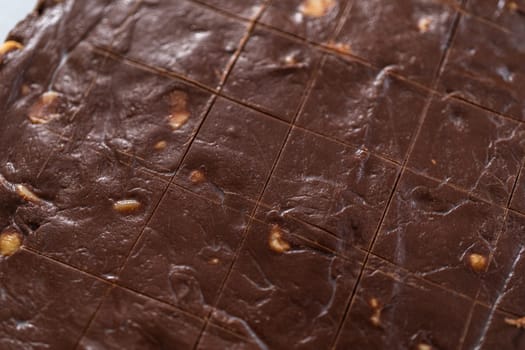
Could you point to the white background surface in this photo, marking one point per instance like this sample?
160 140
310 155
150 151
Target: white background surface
11 12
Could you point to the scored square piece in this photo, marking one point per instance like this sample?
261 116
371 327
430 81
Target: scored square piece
279 282
150 117
485 66
364 107
272 73
177 36
37 299
405 36
439 233
185 251
87 215
232 155
127 320
392 307
330 185
470 148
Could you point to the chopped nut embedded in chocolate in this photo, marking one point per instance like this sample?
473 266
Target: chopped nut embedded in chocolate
478 262
516 322
126 205
9 46
424 24
159 146
513 6
10 242
276 241
44 110
423 346
197 176
25 89
316 8
339 47
433 161
178 119
290 60
26 194
375 319
179 109
214 261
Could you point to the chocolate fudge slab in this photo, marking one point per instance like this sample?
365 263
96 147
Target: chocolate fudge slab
44 304
262 174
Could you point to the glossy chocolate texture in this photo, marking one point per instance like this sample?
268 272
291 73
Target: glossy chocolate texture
256 174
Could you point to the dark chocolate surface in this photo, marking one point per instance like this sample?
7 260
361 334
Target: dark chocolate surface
299 174
394 310
126 320
50 313
404 36
277 68
481 69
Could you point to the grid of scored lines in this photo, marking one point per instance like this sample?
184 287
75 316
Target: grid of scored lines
402 166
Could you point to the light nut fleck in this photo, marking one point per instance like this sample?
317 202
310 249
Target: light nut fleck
9 46
316 8
25 90
178 119
424 24
339 47
290 60
10 242
423 346
214 261
44 110
276 241
159 146
26 194
375 318
516 322
513 6
179 113
197 176
126 205
374 303
477 262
